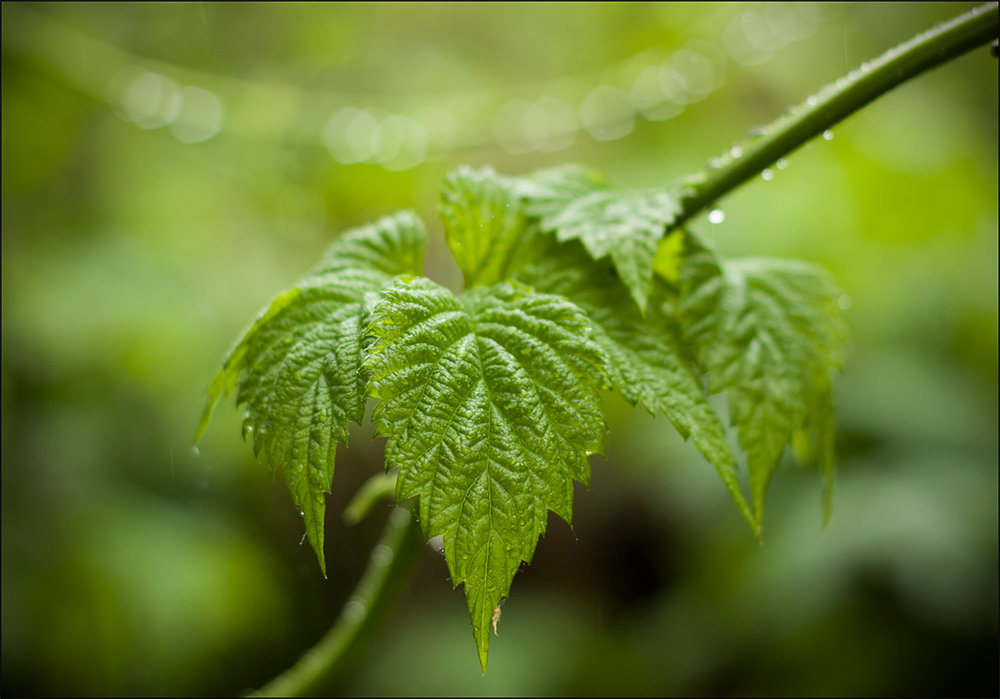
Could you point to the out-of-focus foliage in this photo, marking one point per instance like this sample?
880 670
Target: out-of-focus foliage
166 169
648 363
770 333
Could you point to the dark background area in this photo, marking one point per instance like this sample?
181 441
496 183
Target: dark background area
169 168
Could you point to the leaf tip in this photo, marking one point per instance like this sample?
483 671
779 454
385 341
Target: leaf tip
200 431
756 521
641 299
314 521
206 412
322 561
827 509
483 653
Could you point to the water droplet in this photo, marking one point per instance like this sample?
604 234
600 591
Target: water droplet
381 555
354 611
767 174
844 302
736 151
716 216
200 115
812 100
399 517
194 451
828 135
607 113
781 164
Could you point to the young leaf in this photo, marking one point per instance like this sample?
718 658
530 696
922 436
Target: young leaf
627 226
297 369
490 404
482 223
770 333
547 192
648 362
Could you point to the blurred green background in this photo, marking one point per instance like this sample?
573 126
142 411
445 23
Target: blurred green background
169 168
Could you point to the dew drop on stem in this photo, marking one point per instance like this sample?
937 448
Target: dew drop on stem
354 611
716 216
399 517
381 555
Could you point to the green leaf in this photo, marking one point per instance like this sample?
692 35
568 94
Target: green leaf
627 226
490 404
667 262
547 192
648 361
483 224
770 332
297 369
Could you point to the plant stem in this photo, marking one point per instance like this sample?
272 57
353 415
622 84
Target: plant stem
329 659
835 102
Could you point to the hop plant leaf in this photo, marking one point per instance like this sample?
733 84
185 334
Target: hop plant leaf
626 226
770 333
490 405
546 193
490 398
483 224
648 362
297 369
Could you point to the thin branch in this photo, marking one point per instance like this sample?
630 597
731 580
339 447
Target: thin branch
328 660
836 101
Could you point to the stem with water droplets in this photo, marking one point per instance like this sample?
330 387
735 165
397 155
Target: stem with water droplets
834 102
